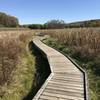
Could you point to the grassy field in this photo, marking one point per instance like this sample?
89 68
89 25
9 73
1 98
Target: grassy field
17 64
16 81
83 45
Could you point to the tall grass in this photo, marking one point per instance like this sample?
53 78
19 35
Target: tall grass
87 40
17 65
82 44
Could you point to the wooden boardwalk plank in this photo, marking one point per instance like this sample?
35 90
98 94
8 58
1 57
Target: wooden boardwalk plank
61 92
61 96
67 81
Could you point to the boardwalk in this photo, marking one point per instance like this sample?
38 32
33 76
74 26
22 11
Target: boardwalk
66 82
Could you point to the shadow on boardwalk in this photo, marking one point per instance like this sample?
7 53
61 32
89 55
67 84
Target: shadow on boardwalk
42 70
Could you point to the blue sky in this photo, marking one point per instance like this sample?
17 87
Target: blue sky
40 11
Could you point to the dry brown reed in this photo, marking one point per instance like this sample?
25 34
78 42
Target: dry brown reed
85 40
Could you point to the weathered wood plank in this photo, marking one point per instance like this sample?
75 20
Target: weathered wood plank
65 90
64 93
66 86
47 97
64 83
61 96
68 79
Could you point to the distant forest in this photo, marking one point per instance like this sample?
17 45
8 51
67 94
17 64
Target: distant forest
11 21
60 24
8 20
88 23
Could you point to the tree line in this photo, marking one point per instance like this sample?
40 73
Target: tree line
52 24
11 21
8 20
89 23
60 24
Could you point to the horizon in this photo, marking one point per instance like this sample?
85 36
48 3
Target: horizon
64 21
41 11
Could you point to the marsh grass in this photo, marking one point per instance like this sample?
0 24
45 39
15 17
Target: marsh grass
83 45
20 80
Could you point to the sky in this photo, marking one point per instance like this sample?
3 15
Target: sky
41 11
